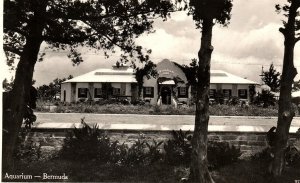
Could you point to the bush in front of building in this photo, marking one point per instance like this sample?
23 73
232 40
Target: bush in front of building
91 144
86 143
265 99
178 151
233 101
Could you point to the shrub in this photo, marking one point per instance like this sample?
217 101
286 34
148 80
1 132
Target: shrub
233 100
89 109
178 151
264 155
135 155
221 153
265 99
154 153
141 153
89 143
27 150
292 155
86 143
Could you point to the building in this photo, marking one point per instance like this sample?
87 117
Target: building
170 87
101 84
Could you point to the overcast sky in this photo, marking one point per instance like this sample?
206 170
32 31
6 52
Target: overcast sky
251 40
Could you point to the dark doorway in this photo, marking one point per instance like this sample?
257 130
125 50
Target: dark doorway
64 95
166 95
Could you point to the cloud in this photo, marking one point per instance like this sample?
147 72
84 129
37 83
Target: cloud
251 40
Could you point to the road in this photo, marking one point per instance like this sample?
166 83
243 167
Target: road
135 121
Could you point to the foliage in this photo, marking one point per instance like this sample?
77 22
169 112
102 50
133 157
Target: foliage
148 70
117 108
233 101
292 155
67 25
7 85
178 151
86 143
27 150
50 91
271 78
252 92
221 153
190 72
104 24
247 171
296 85
265 99
210 10
264 155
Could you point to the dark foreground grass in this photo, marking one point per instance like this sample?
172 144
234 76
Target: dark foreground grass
244 171
254 172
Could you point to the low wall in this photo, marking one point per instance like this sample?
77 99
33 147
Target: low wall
248 142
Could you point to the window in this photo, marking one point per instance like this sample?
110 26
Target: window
98 93
227 93
182 92
148 92
116 91
82 92
212 93
242 93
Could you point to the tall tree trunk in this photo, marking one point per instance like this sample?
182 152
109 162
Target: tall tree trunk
199 164
285 111
17 99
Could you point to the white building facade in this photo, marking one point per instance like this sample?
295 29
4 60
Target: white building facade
170 87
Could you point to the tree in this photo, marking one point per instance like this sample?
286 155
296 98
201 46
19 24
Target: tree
285 111
190 72
147 70
271 78
206 13
52 89
66 25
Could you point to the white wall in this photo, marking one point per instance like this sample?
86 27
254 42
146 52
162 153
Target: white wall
226 86
65 87
97 85
128 89
213 86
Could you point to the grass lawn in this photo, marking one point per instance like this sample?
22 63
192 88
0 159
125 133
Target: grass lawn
244 171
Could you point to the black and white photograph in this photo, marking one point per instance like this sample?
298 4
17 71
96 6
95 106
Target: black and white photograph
150 91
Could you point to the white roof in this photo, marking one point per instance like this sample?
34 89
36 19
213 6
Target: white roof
127 75
115 75
219 76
